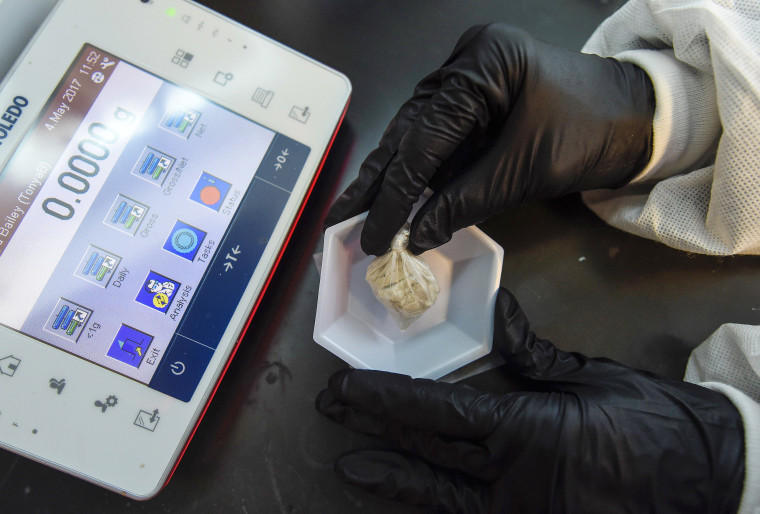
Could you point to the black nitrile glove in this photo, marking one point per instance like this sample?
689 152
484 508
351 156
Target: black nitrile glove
594 436
506 119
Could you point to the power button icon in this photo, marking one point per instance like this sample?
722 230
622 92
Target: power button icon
178 368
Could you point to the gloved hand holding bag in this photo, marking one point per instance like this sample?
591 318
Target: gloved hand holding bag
507 119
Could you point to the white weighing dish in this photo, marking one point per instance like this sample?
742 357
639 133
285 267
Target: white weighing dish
455 331
154 159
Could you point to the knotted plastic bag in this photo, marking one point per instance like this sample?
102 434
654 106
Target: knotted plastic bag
402 282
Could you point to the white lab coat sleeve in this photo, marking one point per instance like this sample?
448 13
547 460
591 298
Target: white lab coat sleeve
729 362
700 192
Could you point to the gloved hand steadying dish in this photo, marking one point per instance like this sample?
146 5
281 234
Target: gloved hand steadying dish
591 435
506 119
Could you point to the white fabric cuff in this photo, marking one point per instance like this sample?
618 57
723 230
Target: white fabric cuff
750 412
686 122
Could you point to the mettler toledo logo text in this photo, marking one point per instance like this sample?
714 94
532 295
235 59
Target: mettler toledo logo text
11 116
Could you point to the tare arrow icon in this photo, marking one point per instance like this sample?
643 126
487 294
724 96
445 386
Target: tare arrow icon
235 251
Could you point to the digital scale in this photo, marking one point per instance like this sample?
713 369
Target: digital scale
154 158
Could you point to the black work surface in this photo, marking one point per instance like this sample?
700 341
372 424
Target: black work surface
262 446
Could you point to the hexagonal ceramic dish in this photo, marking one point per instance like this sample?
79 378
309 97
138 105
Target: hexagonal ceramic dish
456 330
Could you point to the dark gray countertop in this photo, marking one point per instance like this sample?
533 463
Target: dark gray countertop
261 446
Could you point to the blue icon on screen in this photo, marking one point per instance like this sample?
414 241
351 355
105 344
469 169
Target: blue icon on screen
210 191
67 320
126 214
157 292
184 240
130 346
180 120
98 266
153 165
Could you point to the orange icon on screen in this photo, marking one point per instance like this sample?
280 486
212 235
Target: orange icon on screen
210 195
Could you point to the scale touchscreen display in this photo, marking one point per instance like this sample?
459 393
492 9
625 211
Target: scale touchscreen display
132 216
